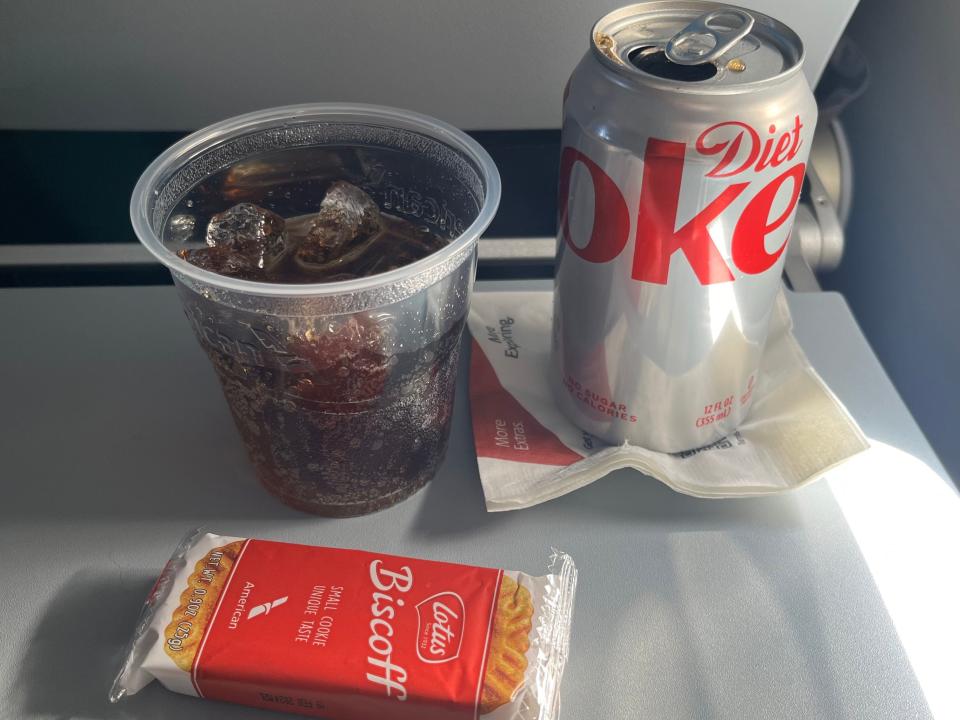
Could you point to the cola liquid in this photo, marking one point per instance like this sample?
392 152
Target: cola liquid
336 416
340 448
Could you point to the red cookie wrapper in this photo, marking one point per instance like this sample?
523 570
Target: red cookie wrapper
350 635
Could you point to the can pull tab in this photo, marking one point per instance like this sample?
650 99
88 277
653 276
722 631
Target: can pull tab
709 36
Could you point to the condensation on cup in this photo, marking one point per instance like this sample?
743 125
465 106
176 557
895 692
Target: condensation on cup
686 132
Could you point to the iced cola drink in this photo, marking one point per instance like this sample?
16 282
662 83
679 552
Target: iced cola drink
325 256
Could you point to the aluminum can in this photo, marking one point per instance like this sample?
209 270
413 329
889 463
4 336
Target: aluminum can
686 130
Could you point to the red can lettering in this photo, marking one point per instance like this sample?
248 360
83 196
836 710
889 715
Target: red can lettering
611 219
657 238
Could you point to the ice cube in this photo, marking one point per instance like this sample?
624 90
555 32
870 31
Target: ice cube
251 231
223 261
180 228
347 215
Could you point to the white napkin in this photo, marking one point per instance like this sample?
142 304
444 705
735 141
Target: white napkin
528 452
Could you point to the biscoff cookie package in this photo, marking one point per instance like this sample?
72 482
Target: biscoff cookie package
351 635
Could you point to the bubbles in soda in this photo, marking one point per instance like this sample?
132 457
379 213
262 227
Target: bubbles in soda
340 414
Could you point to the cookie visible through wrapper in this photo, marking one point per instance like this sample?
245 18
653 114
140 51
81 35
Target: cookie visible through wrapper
509 643
184 633
350 635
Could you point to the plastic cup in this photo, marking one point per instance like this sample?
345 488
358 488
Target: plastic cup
342 391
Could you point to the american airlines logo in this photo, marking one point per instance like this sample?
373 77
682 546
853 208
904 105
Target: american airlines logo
265 609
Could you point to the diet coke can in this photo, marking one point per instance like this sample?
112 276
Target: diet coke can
686 130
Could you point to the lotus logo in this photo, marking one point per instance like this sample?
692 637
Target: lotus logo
440 627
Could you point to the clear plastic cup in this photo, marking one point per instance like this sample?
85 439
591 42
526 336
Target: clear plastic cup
357 419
